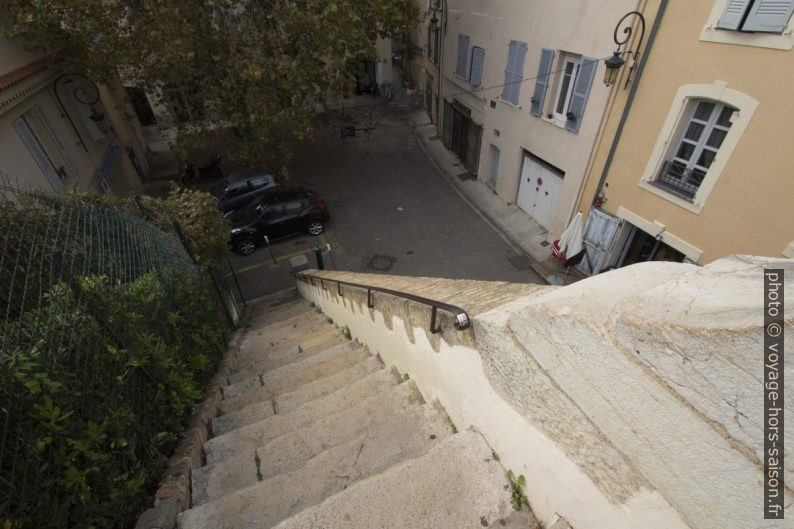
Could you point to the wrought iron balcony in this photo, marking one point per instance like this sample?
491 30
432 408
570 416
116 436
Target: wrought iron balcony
675 177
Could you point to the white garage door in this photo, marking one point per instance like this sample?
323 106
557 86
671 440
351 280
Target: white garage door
539 189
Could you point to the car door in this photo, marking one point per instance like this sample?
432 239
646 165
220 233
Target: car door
273 222
293 220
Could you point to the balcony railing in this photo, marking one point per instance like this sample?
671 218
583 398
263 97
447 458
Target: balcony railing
677 178
461 318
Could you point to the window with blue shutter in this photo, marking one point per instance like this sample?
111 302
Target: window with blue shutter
767 16
581 90
477 64
463 55
36 150
514 73
542 81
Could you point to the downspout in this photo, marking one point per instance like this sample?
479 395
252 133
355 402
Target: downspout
651 38
442 40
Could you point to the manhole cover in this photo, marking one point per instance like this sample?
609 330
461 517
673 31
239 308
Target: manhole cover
381 262
467 176
544 243
432 138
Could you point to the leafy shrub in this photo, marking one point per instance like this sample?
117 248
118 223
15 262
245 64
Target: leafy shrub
93 402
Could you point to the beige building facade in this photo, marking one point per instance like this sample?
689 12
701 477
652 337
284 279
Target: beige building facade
521 94
693 163
61 130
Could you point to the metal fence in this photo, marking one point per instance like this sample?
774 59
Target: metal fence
79 282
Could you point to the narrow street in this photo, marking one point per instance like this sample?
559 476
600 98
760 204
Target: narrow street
391 212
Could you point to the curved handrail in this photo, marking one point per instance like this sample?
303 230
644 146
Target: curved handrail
462 320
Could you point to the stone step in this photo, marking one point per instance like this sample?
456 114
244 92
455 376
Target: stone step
332 403
305 348
294 381
255 351
280 312
286 402
248 415
270 302
455 485
242 500
256 379
298 434
267 338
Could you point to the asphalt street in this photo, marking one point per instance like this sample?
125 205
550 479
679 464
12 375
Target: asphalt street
391 212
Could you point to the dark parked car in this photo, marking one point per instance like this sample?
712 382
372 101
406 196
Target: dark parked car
243 187
277 214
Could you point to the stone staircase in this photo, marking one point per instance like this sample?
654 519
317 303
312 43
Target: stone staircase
315 432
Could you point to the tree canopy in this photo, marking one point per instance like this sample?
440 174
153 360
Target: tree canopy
262 68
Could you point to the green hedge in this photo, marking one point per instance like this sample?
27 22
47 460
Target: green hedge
92 403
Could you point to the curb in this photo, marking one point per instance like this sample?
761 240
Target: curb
173 493
471 202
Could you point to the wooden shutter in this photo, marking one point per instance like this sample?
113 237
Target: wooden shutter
769 16
732 16
517 69
463 55
507 88
477 64
37 151
581 90
542 81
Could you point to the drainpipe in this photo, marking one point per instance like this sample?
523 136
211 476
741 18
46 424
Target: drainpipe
442 40
651 37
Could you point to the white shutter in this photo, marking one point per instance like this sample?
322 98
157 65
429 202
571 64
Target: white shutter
733 14
770 16
542 81
477 63
581 90
463 55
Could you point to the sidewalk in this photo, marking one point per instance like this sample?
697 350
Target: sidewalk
516 226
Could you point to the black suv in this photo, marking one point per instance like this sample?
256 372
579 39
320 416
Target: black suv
277 214
244 187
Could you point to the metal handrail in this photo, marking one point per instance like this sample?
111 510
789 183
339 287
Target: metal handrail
462 320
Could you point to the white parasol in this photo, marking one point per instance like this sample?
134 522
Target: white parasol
572 239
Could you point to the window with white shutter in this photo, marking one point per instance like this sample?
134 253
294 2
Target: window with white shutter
765 16
514 73
463 55
542 81
477 65
580 93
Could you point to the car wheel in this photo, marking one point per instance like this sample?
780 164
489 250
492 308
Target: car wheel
315 227
245 246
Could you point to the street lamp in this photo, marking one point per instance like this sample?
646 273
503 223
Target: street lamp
614 63
82 96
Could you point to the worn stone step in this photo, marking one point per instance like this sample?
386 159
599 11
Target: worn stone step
286 402
343 397
280 312
253 352
267 338
256 379
243 500
455 485
307 433
303 349
248 415
294 381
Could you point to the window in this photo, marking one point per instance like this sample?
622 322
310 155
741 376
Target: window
463 55
568 74
573 78
706 126
477 64
766 16
514 73
433 43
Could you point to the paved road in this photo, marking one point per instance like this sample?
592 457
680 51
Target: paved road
389 206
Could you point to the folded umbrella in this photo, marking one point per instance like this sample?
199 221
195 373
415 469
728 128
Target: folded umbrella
572 239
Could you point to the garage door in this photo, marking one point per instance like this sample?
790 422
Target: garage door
539 189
